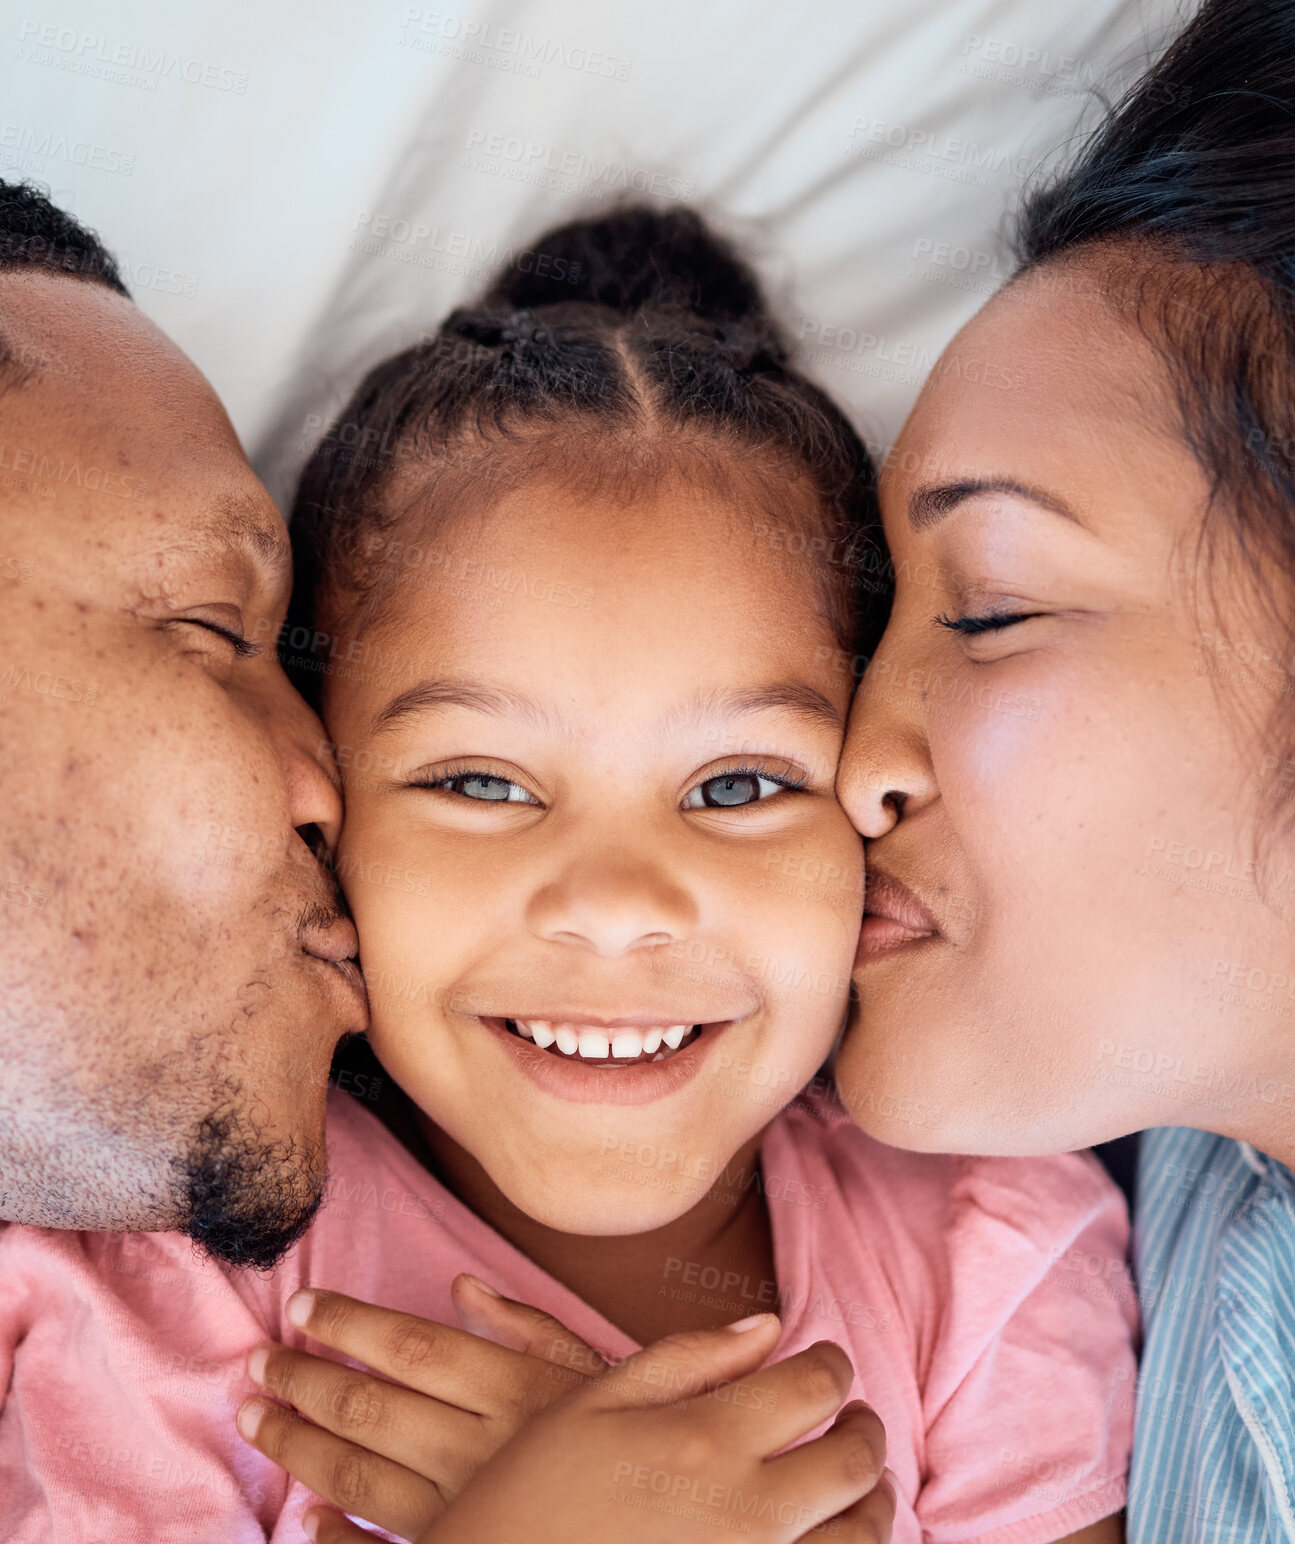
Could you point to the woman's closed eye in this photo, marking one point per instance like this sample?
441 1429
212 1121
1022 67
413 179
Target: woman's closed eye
989 622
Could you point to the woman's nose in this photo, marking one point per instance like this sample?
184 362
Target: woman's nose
885 768
613 904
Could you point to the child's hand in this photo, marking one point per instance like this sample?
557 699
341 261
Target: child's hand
396 1449
674 1443
593 1466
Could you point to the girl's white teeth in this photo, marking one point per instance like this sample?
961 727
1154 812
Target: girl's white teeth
597 1044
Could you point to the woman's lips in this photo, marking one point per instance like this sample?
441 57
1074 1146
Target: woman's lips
892 917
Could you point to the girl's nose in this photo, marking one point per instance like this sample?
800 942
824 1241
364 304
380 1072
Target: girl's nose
612 905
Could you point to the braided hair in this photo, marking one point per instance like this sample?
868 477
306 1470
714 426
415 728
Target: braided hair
642 341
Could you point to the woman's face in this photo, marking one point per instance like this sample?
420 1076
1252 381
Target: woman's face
1072 932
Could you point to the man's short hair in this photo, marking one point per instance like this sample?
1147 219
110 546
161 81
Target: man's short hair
36 234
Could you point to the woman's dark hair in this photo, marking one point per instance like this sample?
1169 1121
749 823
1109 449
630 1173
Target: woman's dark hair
617 347
1185 196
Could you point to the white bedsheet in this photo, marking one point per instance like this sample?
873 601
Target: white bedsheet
297 187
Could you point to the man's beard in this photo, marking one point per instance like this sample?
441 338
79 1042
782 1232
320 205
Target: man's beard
247 1200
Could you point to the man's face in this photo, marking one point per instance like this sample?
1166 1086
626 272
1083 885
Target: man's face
175 974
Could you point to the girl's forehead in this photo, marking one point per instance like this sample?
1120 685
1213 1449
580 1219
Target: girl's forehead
657 607
663 548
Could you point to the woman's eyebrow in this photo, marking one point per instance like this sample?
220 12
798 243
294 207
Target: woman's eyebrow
929 505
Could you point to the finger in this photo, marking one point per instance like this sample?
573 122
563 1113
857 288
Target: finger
777 1405
522 1328
448 1364
679 1366
352 1478
838 1469
869 1521
327 1527
433 1439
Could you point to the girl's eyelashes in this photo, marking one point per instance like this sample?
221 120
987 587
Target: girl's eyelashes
472 783
733 788
740 786
989 622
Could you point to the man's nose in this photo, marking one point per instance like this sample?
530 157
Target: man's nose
306 758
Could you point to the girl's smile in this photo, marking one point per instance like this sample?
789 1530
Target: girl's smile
606 1064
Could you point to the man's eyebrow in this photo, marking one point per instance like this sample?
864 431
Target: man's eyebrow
928 506
244 519
456 694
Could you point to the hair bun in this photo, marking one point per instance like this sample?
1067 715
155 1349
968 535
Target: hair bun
634 258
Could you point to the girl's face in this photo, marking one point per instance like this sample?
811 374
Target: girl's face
1074 931
606 898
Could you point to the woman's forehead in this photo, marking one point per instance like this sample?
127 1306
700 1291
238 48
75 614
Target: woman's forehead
1049 379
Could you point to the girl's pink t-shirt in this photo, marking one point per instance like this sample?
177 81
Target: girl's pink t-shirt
984 1303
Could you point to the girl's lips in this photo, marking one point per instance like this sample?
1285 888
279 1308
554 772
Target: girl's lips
892 917
583 1081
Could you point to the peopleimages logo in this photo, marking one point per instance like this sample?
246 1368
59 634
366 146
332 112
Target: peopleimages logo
70 43
529 160
426 29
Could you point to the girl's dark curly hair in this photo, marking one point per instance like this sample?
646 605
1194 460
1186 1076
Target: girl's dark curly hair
623 346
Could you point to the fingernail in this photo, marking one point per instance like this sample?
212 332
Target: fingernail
256 1364
742 1325
299 1307
249 1419
481 1285
310 1523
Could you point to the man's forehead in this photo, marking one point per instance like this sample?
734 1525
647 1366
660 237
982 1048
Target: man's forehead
195 530
250 523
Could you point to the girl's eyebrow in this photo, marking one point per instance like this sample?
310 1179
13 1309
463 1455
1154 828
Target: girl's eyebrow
781 696
784 696
457 694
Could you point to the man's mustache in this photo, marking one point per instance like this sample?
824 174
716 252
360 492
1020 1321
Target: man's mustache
320 916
